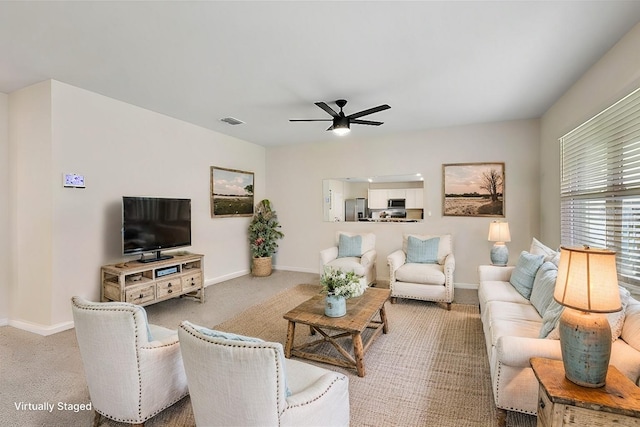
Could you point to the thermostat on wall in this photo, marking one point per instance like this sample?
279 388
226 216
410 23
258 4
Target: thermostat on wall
73 180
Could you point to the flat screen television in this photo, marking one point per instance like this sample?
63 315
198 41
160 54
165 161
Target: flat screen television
153 224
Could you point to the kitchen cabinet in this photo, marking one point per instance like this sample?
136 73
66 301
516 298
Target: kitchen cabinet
377 199
414 198
397 193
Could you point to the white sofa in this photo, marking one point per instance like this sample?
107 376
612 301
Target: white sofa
513 325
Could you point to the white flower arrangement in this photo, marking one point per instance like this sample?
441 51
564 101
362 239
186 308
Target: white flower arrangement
338 283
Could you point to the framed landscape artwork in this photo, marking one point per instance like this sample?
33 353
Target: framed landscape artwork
231 192
473 189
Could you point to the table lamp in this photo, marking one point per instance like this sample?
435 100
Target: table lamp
499 233
587 285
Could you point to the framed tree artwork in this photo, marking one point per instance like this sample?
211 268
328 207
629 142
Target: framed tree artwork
231 192
473 189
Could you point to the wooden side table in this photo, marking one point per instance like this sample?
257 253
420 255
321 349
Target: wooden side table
562 403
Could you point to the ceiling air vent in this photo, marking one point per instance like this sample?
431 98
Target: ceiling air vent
231 120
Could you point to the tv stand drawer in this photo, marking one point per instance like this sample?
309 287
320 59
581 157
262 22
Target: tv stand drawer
192 282
141 295
168 287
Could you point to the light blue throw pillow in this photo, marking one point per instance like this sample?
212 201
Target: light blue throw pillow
349 246
422 251
524 274
146 322
551 318
543 286
225 335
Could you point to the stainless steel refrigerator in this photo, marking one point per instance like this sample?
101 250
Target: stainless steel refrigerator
355 209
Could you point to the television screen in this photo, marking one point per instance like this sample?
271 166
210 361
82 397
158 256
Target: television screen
151 224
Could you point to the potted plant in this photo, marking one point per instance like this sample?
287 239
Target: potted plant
339 287
264 232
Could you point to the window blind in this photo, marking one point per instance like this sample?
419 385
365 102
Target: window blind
600 186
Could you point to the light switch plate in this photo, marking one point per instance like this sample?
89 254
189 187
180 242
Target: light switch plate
73 180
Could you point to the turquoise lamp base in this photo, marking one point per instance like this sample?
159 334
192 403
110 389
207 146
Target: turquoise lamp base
585 341
499 254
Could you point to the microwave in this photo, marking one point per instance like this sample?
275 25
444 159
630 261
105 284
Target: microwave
396 203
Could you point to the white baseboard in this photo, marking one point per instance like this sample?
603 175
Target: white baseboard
296 269
466 286
4 322
43 330
214 280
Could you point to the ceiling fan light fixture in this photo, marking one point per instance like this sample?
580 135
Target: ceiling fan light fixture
341 126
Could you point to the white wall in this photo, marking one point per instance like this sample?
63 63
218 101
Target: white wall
295 174
30 205
615 75
122 150
4 209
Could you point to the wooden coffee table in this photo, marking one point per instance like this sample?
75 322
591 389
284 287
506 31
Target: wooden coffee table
360 316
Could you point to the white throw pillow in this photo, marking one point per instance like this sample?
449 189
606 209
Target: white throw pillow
538 248
631 328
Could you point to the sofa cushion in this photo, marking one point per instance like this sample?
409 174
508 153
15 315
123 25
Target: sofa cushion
349 246
525 272
444 245
499 291
538 248
543 286
348 264
432 274
501 310
422 251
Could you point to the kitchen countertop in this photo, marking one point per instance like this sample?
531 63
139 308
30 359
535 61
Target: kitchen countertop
389 220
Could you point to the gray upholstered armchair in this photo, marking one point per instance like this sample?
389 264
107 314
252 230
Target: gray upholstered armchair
423 269
243 381
133 369
352 252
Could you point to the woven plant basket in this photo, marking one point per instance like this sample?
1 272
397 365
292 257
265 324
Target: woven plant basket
261 266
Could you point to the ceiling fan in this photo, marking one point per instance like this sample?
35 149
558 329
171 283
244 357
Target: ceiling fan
341 123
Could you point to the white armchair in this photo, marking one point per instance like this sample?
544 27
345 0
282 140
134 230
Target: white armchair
133 369
352 252
242 381
423 269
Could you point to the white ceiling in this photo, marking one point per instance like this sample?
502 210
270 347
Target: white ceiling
435 63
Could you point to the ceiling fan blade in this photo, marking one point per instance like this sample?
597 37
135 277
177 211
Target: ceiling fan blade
366 122
369 111
326 108
330 127
310 120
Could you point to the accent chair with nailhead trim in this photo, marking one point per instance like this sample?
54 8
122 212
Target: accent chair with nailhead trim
133 369
243 381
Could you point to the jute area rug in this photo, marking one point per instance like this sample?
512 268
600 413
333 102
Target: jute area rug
431 369
418 374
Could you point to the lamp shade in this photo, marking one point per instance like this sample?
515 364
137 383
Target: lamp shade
499 232
588 280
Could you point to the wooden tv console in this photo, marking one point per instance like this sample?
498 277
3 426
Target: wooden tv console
148 283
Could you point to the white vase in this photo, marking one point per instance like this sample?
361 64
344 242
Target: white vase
335 306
